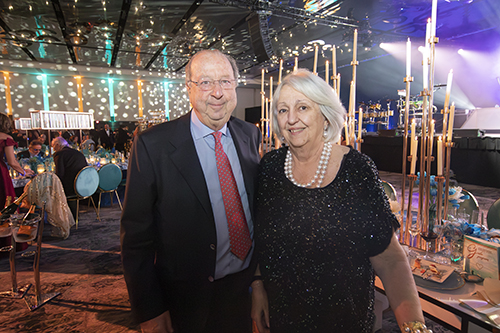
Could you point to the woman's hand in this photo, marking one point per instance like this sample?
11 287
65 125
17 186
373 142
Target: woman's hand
29 173
260 306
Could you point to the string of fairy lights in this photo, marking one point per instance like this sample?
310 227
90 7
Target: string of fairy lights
110 99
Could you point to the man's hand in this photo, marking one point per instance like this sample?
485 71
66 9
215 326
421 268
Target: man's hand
160 324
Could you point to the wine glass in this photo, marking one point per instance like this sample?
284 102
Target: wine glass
428 236
414 230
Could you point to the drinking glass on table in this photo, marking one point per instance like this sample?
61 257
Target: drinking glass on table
428 236
414 230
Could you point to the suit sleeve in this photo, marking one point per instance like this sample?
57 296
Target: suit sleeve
59 164
137 235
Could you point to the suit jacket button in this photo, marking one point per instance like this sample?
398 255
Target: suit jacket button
211 278
212 247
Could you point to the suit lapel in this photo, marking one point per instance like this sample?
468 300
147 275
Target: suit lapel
186 160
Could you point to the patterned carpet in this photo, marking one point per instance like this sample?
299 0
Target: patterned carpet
86 270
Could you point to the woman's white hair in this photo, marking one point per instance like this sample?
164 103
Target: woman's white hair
318 91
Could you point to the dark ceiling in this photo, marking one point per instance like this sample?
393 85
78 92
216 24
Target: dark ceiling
160 36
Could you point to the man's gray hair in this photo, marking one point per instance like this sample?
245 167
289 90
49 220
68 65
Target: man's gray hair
61 141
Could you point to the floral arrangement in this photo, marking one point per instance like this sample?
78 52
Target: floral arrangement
455 195
456 230
32 162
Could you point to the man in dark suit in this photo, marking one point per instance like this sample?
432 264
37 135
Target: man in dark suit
179 262
34 150
68 163
107 138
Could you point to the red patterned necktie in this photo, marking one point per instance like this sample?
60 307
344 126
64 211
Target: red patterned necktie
239 235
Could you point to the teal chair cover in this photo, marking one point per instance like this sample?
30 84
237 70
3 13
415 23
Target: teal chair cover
390 191
86 182
468 205
493 218
110 176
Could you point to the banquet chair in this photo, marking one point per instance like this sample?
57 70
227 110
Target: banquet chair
86 183
390 191
493 217
110 177
468 205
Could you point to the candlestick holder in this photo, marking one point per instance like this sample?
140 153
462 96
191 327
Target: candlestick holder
411 229
358 142
449 144
403 235
439 201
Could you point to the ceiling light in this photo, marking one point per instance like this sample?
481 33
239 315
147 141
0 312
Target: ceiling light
76 40
25 34
317 41
47 39
20 43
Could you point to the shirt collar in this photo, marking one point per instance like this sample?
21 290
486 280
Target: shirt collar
201 130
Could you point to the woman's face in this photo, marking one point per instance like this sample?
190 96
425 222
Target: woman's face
299 119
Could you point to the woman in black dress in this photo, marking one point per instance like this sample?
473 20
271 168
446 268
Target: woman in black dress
324 225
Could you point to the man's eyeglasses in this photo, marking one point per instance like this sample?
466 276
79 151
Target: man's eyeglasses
208 85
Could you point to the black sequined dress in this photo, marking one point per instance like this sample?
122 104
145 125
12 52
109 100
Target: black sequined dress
313 245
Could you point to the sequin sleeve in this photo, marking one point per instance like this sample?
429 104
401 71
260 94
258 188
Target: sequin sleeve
381 222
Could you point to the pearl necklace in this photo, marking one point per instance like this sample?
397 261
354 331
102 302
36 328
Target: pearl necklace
320 171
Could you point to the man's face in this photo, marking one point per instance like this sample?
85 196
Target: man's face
35 149
56 145
106 127
213 107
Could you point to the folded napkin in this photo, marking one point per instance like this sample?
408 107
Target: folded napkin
492 289
482 307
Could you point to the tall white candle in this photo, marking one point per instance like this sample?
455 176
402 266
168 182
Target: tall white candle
338 85
263 100
413 150
351 99
445 124
428 34
413 125
426 56
281 71
346 133
448 89
267 117
355 46
296 64
327 65
316 48
271 89
334 62
440 156
360 124
433 18
431 136
262 82
408 58
450 121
